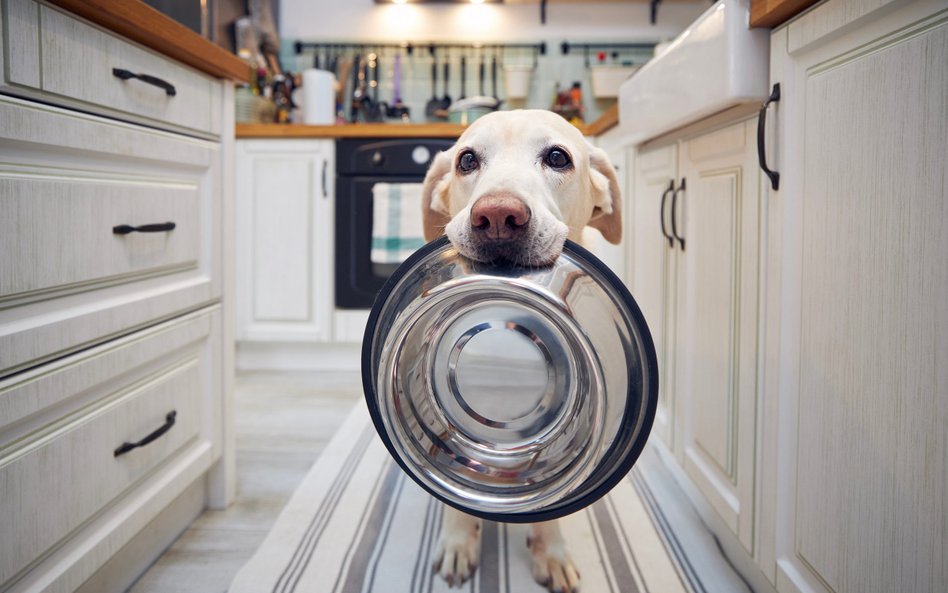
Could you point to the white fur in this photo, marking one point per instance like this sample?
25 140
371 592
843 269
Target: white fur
511 145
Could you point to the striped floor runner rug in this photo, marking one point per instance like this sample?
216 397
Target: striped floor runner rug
357 524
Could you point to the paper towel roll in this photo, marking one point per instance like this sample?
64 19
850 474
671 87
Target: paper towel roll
319 97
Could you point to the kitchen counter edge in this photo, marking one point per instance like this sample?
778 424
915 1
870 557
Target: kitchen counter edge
395 130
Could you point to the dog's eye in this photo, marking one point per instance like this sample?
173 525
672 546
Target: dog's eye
467 162
557 158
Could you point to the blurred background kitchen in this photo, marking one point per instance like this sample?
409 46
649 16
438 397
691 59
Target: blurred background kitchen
504 55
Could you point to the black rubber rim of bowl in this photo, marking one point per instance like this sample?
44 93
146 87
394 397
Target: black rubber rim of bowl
629 420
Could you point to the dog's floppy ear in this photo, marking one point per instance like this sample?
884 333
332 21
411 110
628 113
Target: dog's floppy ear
606 198
434 207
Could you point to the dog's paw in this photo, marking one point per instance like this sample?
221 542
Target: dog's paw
457 553
552 566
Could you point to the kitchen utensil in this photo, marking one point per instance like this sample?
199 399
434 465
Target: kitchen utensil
434 103
342 83
373 111
480 76
397 110
493 75
463 77
358 92
513 394
333 61
446 99
465 111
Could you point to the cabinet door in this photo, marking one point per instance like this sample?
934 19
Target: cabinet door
284 241
653 278
859 309
717 217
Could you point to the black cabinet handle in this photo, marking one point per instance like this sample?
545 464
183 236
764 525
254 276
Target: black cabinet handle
761 129
675 193
160 227
325 191
146 78
169 422
661 212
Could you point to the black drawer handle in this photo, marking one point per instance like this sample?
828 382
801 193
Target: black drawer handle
146 78
673 211
169 422
325 191
761 129
661 211
160 227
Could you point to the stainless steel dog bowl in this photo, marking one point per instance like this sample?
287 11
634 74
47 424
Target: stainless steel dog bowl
514 394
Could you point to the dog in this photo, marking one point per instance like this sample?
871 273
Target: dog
514 187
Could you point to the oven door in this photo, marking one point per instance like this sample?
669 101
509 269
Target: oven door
360 273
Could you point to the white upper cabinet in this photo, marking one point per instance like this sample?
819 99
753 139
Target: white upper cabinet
857 305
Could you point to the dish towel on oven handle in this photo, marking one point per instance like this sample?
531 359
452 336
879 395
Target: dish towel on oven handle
396 222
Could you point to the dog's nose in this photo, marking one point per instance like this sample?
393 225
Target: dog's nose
499 218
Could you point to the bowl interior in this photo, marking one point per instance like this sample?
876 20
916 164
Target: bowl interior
507 391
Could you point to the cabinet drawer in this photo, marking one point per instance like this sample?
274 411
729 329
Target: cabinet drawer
66 58
66 179
58 467
62 229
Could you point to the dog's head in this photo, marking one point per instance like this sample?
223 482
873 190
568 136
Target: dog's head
516 185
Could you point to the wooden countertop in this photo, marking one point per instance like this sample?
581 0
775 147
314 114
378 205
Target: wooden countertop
422 130
772 13
427 130
145 25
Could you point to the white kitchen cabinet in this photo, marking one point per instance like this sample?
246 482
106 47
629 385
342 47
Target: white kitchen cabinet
284 252
654 270
695 275
856 309
115 308
716 328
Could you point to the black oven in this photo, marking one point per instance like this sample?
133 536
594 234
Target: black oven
360 165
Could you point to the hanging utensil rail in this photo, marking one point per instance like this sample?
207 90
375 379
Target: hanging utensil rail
587 48
539 49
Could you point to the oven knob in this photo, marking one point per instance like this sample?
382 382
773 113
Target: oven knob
421 155
378 158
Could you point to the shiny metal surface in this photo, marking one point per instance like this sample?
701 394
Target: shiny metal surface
510 392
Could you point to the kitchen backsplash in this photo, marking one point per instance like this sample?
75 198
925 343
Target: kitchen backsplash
551 70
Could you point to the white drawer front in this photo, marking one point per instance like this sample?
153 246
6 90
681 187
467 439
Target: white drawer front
66 179
78 60
62 231
57 57
57 474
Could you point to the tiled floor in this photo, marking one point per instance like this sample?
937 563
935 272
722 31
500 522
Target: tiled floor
283 422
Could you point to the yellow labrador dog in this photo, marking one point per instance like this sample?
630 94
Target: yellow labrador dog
515 186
